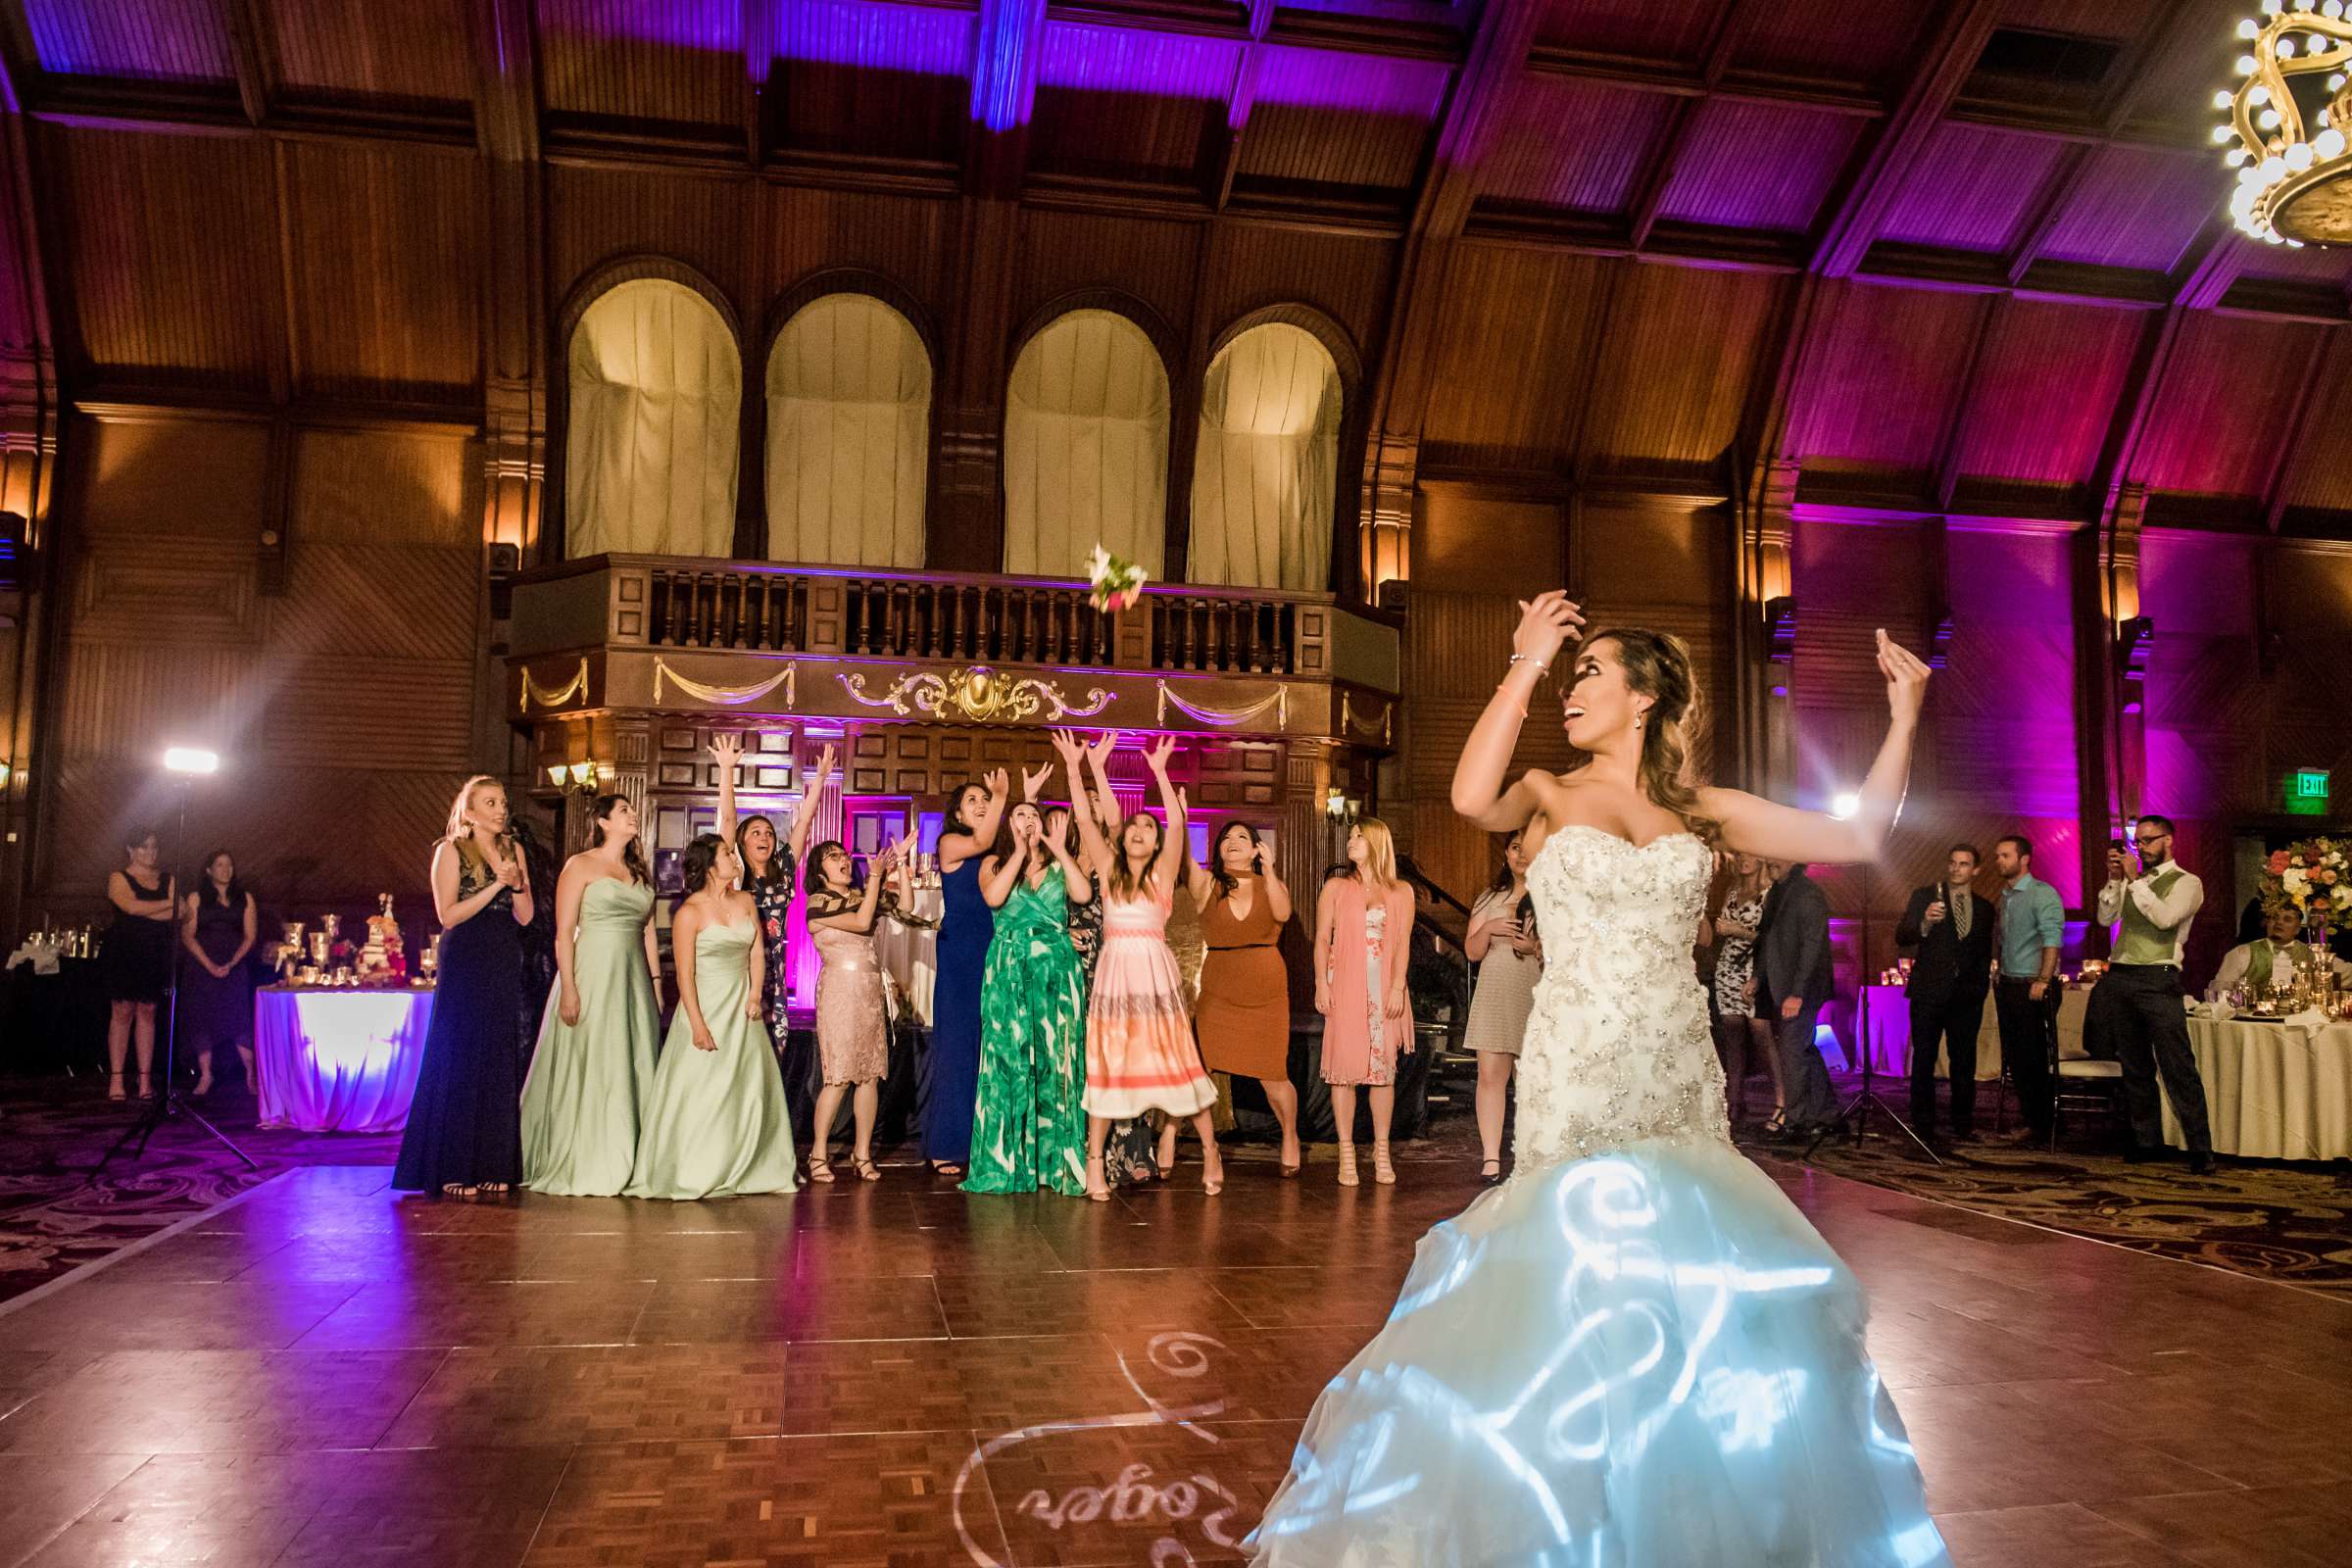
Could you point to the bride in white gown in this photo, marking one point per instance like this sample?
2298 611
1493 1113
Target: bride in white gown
1636 1352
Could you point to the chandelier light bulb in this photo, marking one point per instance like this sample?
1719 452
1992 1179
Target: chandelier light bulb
2336 84
2220 134
2258 95
2269 119
2248 28
2298 157
2286 48
2222 99
2303 5
2245 65
2271 8
2333 9
2329 143
2273 169
2236 158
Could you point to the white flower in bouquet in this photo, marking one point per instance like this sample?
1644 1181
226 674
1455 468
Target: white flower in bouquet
1114 584
2296 881
2342 895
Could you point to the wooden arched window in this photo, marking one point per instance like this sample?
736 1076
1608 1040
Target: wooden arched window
1265 471
849 431
1086 447
655 394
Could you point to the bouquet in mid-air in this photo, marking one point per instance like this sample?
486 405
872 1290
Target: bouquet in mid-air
1115 584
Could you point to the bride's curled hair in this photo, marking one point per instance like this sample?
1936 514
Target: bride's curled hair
1657 664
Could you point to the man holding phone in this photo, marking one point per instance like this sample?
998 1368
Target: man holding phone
1952 929
2136 1007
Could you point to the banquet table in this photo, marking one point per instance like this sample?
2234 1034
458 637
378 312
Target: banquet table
339 1059
910 954
2273 1091
1886 1023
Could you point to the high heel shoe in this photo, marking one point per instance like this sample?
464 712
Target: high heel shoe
1490 1172
821 1169
1292 1168
1097 1186
1382 1171
1347 1176
867 1170
115 1089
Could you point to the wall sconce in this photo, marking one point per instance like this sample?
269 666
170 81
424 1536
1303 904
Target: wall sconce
1780 629
580 777
1340 807
2135 639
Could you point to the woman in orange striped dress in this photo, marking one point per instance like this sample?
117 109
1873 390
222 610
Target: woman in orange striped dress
1140 1052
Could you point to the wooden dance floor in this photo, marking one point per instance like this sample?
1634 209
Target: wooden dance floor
325 1374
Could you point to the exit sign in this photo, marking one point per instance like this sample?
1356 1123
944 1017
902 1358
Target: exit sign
2307 792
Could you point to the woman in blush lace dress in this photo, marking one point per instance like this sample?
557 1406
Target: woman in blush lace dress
1635 1352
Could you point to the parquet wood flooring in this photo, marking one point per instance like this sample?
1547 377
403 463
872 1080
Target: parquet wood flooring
330 1375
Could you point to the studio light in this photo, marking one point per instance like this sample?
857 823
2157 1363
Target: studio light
1845 803
191 760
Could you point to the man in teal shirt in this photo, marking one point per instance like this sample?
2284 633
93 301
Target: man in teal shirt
2136 1006
2025 995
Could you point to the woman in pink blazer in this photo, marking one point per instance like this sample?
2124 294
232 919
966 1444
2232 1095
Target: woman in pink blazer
1363 938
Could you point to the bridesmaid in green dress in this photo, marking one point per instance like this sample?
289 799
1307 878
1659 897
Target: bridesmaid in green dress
595 1063
717 1124
1030 1130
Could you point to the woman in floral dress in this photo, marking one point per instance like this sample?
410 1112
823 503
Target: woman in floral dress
1029 1131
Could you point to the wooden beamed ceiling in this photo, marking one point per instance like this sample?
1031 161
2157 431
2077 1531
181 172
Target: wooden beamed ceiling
1955 255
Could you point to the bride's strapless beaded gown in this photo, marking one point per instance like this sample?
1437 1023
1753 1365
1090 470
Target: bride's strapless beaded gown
1636 1352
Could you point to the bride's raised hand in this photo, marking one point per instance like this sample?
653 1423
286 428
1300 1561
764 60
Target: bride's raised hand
1906 679
1545 622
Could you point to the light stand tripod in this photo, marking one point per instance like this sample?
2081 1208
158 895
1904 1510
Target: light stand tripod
1854 1118
168 1102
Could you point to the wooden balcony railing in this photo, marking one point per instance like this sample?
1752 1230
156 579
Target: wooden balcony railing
670 601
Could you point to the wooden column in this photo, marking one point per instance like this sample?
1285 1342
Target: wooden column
514 326
1764 636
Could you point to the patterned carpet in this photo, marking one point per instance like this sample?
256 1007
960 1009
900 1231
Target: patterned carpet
2288 1223
58 1212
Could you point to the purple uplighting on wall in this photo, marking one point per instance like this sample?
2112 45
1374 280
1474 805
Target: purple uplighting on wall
1318 78
914 40
1004 72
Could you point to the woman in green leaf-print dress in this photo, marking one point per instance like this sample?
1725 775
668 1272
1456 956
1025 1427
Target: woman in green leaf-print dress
1029 1130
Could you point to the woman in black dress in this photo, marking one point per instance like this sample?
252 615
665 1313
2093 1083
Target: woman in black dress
216 1003
136 965
464 1132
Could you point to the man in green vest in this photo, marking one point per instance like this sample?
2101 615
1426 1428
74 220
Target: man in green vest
2279 952
2136 1008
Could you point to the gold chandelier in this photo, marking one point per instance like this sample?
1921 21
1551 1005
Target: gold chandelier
2288 120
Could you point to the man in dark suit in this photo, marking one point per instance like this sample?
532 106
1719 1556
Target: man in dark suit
1952 929
1793 981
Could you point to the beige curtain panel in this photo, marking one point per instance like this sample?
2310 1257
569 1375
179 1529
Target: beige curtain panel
848 426
656 394
1086 447
1265 471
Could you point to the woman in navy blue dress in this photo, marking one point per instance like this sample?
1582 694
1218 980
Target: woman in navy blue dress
967 924
464 1131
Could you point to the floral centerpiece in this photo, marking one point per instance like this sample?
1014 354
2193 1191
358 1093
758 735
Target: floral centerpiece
1114 584
2313 878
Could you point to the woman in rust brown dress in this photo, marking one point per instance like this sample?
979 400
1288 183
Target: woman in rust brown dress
1243 1019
